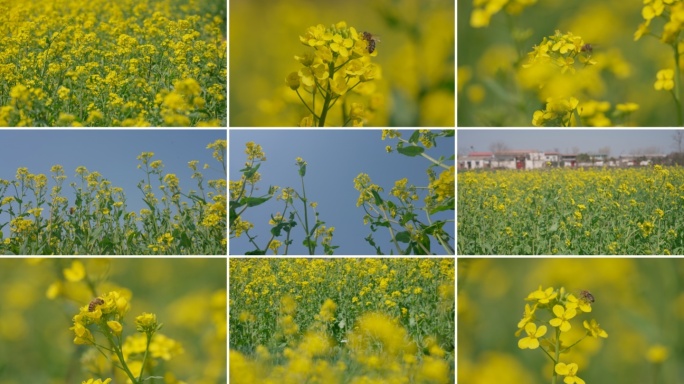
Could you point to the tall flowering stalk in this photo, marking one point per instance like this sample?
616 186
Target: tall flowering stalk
105 315
672 13
242 197
552 70
340 63
401 218
558 308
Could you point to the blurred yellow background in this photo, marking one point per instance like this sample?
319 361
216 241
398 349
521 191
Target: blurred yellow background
639 303
496 90
416 54
187 295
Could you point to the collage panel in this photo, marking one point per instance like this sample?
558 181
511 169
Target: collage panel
571 320
107 192
107 321
342 192
103 63
570 192
586 63
353 63
341 320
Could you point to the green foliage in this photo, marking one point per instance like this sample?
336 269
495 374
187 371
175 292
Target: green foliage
382 318
98 222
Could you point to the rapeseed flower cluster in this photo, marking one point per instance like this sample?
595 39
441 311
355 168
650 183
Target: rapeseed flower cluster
439 197
241 198
94 63
564 211
487 286
51 293
562 307
171 225
340 63
298 320
502 83
107 313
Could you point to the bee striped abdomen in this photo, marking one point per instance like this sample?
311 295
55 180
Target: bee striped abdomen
372 40
587 296
96 301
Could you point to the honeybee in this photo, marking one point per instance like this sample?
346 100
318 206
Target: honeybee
371 39
586 296
587 48
96 301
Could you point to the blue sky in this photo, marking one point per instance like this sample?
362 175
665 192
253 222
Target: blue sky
335 158
620 141
112 153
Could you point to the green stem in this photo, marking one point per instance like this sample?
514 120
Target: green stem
328 98
441 241
305 104
575 343
424 155
147 348
555 361
116 347
391 231
656 373
578 117
676 94
306 216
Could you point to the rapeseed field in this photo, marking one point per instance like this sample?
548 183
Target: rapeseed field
100 63
636 211
341 320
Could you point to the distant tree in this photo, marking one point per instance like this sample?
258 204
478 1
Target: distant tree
604 151
645 151
676 158
498 146
583 158
575 150
678 138
463 150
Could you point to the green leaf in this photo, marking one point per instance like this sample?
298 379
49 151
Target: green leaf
448 132
447 205
406 217
414 137
404 236
378 199
285 226
308 242
250 171
256 252
302 170
370 241
381 223
254 201
436 226
197 199
411 151
318 224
